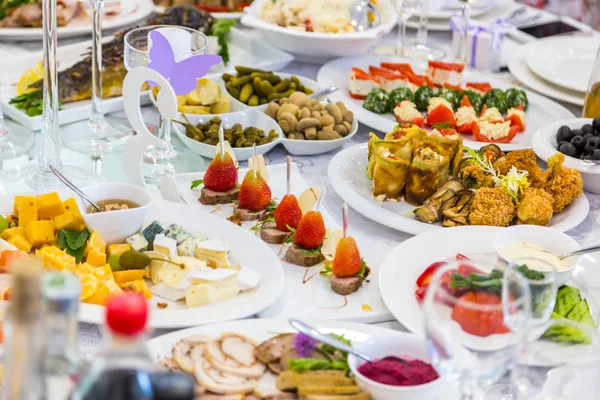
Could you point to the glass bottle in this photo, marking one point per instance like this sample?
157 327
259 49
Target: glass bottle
24 335
591 107
123 370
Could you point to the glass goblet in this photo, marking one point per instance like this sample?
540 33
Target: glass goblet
405 10
137 54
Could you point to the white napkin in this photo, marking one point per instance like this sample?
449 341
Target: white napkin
572 382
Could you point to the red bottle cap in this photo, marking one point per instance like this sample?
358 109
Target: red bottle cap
127 314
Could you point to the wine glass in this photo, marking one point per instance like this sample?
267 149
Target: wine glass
464 325
159 160
420 48
543 288
405 10
95 136
464 39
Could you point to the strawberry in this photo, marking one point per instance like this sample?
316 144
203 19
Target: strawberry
255 194
288 213
310 231
346 262
221 175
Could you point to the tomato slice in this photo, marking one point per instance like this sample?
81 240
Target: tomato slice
465 102
425 278
483 87
479 322
458 67
419 121
480 138
515 120
439 115
420 293
403 68
466 128
447 131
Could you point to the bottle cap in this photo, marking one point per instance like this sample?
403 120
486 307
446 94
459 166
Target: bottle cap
127 314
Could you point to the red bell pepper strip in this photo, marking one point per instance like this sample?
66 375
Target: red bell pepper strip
385 73
439 115
458 67
403 68
483 87
480 138
516 120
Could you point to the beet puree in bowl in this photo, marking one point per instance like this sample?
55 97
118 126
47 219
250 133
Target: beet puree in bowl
396 371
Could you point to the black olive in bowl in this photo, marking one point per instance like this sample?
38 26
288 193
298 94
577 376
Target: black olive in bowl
587 128
577 132
564 134
578 142
590 146
595 155
568 149
596 124
588 136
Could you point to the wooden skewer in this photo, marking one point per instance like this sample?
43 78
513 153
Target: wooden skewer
321 198
345 219
289 174
254 160
222 142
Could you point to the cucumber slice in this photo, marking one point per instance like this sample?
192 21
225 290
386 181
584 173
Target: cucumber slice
565 333
581 313
566 299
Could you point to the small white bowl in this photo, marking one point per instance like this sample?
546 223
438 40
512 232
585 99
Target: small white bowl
312 147
547 238
545 145
400 345
116 226
246 118
236 104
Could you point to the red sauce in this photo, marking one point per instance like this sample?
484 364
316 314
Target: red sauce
396 371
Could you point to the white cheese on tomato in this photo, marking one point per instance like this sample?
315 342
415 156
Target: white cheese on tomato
494 131
519 113
407 111
438 133
434 102
491 115
362 87
440 76
465 115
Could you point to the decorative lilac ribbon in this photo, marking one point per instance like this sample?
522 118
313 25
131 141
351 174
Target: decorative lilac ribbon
496 29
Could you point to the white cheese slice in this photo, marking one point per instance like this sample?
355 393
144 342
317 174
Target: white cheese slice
214 252
165 245
167 292
212 245
210 275
247 278
207 293
173 275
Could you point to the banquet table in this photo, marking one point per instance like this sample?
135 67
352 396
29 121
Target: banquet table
377 240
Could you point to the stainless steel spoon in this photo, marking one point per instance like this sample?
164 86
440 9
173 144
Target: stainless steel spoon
579 252
74 188
315 334
359 16
324 92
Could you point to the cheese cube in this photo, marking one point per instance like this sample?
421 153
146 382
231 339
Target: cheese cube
214 252
10 232
16 204
151 231
95 242
173 275
165 245
39 233
187 248
28 210
104 273
50 206
247 278
20 243
66 221
89 283
96 258
138 242
71 206
177 233
110 288
56 259
118 249
128 275
207 293
167 292
137 286
152 269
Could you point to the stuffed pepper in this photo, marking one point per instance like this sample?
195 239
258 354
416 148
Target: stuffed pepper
389 174
440 111
389 79
361 84
466 116
494 132
450 141
516 116
406 113
444 72
427 172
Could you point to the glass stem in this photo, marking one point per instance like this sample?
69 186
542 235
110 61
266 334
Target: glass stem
50 147
97 117
401 35
165 133
423 19
465 34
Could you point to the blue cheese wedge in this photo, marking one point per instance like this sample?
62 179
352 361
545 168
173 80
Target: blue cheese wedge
207 292
150 232
165 245
177 233
187 248
247 278
138 242
214 252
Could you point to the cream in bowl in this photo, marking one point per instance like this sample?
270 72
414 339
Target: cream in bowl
540 258
124 210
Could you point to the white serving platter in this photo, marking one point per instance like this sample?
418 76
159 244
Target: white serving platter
541 110
131 11
306 294
244 248
347 175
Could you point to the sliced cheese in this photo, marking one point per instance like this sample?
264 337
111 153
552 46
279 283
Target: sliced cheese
309 198
167 292
165 245
173 275
214 252
247 278
228 149
261 166
207 293
330 243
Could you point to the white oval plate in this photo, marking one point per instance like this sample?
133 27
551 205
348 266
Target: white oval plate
409 259
517 65
245 248
541 110
246 118
132 12
347 175
564 61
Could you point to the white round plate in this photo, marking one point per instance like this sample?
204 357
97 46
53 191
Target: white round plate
132 11
564 61
409 259
245 248
518 67
337 72
246 118
347 175
444 9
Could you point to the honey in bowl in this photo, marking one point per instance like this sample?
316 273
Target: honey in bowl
112 205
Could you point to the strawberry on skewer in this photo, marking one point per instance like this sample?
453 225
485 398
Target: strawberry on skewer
221 178
255 194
